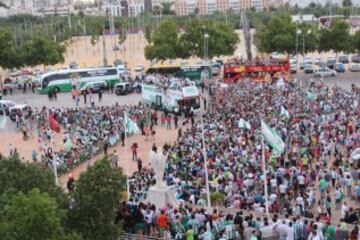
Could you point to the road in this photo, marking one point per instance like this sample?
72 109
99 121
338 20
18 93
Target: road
344 80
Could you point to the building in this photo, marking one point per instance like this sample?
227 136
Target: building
136 7
245 4
180 7
234 5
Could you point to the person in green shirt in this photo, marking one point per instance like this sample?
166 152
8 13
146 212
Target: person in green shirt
322 186
330 231
189 235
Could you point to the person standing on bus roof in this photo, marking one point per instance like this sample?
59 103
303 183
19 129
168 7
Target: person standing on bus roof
85 96
100 95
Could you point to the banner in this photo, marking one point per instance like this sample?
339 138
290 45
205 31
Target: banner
244 124
131 126
272 138
54 125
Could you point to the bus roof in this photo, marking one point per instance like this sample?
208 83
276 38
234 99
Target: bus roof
165 66
77 70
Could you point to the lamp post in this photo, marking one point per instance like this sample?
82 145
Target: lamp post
298 32
308 32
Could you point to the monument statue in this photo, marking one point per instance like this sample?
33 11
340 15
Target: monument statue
160 195
157 162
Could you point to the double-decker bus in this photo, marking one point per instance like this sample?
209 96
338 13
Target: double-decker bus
260 70
66 80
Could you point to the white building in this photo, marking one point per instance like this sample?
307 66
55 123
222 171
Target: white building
211 6
191 5
257 4
234 5
135 7
112 7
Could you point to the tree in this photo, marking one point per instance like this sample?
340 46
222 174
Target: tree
346 7
278 35
312 5
166 8
96 197
9 56
336 37
42 50
20 177
148 32
31 216
308 39
222 39
356 41
164 42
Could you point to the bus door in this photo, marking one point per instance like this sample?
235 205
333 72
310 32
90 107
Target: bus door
158 101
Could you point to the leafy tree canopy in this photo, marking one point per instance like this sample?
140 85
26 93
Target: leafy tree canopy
96 196
336 37
31 216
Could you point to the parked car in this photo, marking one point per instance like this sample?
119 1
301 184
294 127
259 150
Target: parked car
293 68
215 69
302 65
356 58
94 87
318 61
354 68
293 60
125 88
118 62
344 58
308 68
73 65
37 72
219 61
308 60
21 110
325 72
340 67
331 62
139 68
49 69
5 105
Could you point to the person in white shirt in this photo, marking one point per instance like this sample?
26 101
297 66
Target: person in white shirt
344 209
290 232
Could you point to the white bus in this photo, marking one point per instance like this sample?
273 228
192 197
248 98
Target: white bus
66 80
169 99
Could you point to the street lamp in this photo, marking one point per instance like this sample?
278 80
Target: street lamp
298 32
308 32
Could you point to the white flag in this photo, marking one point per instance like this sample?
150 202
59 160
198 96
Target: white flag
284 112
244 124
2 121
272 138
130 126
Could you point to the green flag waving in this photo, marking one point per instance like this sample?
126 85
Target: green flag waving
311 96
272 138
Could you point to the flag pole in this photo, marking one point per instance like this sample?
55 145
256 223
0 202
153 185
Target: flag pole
55 171
126 154
205 164
265 179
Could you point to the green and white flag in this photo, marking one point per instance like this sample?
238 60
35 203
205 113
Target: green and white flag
284 112
131 126
272 138
311 96
244 124
2 122
68 145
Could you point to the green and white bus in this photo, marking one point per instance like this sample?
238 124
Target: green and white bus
66 80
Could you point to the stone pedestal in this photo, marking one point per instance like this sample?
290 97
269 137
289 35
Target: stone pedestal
161 197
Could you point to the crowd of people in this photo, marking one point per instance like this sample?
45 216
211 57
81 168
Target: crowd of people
189 223
86 131
320 127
